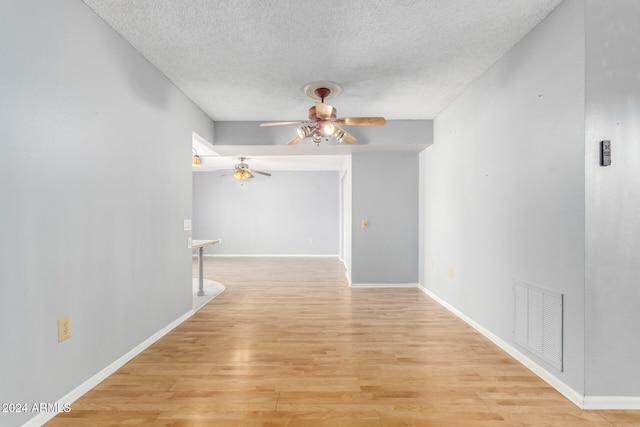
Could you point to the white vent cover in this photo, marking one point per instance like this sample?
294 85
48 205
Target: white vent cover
537 322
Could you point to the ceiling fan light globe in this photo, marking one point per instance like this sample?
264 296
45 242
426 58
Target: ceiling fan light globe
196 162
304 131
328 128
242 175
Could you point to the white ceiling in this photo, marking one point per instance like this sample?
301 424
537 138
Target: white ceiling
248 60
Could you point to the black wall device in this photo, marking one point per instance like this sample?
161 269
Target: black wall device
605 153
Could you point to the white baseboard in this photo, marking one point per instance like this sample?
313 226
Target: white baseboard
348 278
584 402
75 394
575 397
612 402
384 285
347 274
631 403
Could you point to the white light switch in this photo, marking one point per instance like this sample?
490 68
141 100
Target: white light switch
189 242
187 225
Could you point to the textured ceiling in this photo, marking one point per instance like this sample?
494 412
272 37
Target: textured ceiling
249 60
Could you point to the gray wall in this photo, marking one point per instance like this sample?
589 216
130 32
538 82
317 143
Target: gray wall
502 188
289 213
95 182
613 199
378 182
385 192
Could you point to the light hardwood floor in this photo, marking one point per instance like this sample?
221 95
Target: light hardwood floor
290 344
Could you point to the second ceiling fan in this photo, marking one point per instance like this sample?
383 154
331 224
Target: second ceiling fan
242 171
323 120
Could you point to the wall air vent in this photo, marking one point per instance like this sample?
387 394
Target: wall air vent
537 322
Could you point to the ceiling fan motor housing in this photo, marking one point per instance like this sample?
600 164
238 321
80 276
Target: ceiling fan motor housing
313 117
322 93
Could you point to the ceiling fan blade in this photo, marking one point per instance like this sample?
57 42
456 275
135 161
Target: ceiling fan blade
348 139
324 111
295 140
362 121
279 124
261 173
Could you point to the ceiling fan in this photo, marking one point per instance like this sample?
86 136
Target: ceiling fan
243 172
323 121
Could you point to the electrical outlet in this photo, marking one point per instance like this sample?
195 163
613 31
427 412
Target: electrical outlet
311 240
64 328
450 272
432 265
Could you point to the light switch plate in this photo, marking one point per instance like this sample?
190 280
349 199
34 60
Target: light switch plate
187 225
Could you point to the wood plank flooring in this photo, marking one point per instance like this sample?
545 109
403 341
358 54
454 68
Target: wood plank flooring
290 344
